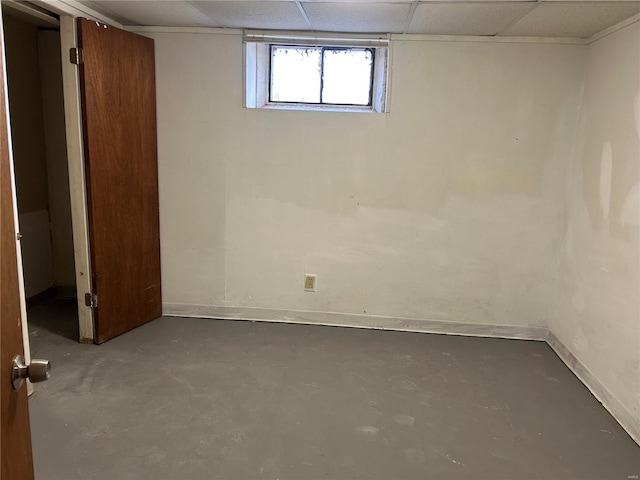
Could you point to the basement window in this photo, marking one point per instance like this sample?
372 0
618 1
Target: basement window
321 75
331 74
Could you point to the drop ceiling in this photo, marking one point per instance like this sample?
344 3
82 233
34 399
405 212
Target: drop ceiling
536 18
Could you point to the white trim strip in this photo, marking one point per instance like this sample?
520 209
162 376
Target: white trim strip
597 389
375 322
316 38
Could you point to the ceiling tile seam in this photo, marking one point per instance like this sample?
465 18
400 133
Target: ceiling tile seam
197 7
412 11
613 29
304 14
520 17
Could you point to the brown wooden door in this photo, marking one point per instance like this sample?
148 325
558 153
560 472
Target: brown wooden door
15 436
117 78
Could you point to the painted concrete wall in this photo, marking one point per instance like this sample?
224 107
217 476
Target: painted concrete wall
29 153
598 296
449 207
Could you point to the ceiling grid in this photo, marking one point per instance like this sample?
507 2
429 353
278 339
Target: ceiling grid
412 11
504 18
303 13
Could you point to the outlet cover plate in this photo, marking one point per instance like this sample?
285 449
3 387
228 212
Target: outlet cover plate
310 282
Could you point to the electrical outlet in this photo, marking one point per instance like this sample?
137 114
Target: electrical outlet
310 282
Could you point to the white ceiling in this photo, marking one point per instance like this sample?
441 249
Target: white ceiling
538 18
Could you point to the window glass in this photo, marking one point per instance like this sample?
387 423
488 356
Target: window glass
321 75
295 74
347 76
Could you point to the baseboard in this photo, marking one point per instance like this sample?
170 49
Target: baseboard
41 297
602 393
355 321
66 291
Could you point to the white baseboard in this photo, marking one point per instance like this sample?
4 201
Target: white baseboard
602 393
375 322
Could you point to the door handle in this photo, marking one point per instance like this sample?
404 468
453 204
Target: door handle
36 371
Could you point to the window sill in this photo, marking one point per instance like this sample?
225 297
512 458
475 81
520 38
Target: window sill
318 108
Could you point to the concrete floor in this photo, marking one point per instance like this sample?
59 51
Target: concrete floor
204 399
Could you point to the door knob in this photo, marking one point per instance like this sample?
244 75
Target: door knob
36 371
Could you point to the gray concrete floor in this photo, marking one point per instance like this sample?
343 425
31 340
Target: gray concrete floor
205 399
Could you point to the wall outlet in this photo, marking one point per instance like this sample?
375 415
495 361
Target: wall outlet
310 281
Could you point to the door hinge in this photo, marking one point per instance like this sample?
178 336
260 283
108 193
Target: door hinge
18 236
75 55
91 300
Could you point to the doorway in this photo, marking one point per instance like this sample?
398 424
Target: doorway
107 183
36 110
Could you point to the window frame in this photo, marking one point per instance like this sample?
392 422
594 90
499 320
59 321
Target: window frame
323 48
257 59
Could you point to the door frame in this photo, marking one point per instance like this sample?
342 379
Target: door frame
68 10
75 154
77 179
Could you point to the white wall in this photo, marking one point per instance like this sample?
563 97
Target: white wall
598 296
50 63
449 207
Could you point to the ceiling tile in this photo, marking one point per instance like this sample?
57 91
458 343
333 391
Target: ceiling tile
254 14
152 12
357 17
572 19
466 18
